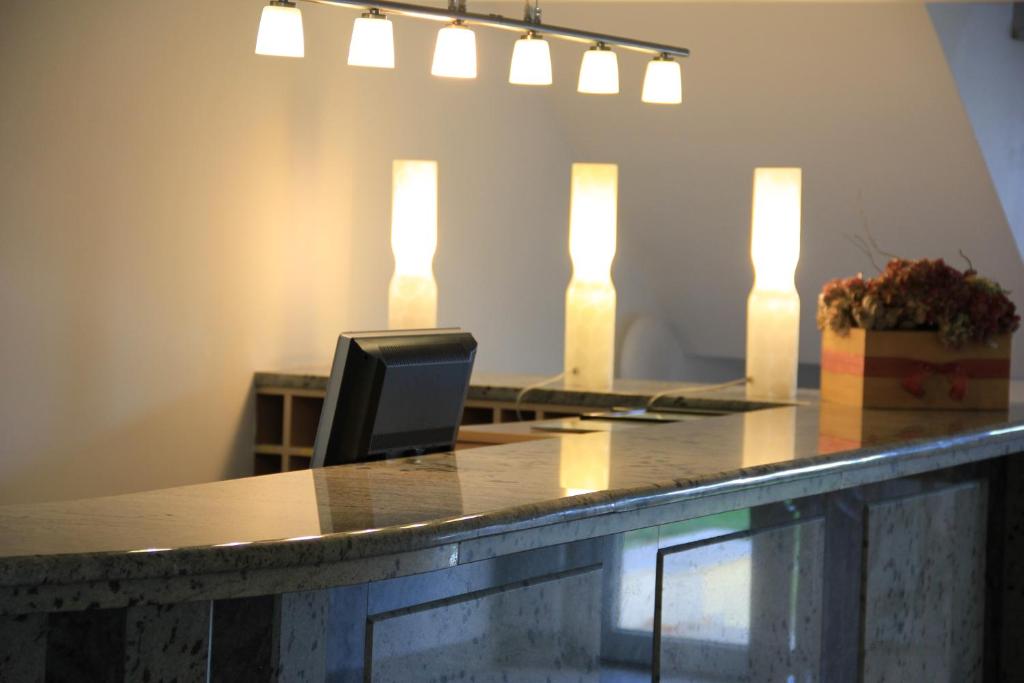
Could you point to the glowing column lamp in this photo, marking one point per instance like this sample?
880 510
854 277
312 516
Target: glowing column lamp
373 42
280 32
455 52
773 309
584 464
599 71
663 82
412 295
590 298
531 61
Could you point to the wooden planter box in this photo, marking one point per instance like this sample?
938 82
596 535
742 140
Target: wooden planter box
901 369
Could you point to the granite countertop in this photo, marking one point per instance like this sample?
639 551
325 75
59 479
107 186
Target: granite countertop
440 501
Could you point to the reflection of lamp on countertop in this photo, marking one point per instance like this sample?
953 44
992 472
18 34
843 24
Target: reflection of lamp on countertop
590 298
773 308
769 436
585 463
412 295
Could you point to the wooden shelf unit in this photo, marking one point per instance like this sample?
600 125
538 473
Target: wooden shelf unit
286 422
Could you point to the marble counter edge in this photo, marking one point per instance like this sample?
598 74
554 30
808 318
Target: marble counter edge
832 472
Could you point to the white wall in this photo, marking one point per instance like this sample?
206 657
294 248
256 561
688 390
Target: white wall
989 69
176 213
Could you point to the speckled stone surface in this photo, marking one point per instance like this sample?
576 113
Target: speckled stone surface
23 648
183 581
925 587
270 638
167 642
242 639
1012 574
344 525
548 630
300 636
86 646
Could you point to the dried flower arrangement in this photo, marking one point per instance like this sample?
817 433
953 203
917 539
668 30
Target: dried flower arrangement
922 294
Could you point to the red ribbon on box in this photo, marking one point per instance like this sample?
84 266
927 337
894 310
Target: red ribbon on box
913 373
914 382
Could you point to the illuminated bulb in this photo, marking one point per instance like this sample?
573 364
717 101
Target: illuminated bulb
455 52
662 82
373 42
590 297
773 308
531 61
412 295
599 71
280 32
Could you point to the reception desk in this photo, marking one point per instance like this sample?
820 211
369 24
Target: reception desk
796 543
288 406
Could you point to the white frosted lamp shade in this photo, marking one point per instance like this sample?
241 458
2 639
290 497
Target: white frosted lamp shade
280 32
412 294
663 82
373 42
593 216
414 215
599 72
775 227
531 62
455 52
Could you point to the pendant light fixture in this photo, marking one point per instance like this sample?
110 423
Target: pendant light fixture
663 81
373 45
280 32
531 56
455 52
373 41
531 61
599 71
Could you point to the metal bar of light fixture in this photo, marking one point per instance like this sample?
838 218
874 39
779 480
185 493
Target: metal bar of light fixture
457 12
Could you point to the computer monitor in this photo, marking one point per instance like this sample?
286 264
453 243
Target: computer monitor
394 393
